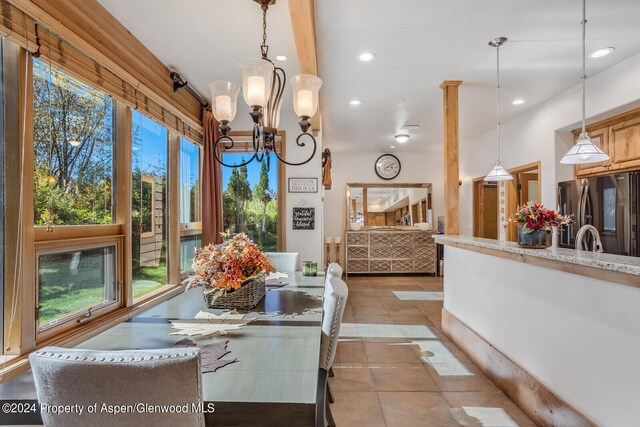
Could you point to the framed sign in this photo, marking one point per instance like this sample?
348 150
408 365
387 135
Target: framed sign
304 218
303 185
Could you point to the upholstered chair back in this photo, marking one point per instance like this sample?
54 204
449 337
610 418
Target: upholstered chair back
334 270
130 380
334 303
284 261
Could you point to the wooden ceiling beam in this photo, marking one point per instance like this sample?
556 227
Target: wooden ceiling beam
303 22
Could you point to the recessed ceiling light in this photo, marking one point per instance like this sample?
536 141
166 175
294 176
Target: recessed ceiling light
601 52
517 102
367 56
393 146
281 57
402 138
355 102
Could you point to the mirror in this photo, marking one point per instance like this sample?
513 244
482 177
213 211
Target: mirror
389 205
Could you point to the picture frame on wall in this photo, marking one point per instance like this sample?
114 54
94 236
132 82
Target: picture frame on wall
303 185
304 218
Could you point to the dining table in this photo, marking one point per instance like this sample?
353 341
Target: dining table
274 378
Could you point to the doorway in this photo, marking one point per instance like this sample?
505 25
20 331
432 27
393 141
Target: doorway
485 209
524 187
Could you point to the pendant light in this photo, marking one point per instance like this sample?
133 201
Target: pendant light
498 173
584 150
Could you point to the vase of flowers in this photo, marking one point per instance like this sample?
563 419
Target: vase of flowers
535 223
233 273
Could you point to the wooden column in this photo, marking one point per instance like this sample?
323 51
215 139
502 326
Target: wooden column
451 158
303 23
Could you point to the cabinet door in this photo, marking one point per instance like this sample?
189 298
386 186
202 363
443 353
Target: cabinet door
625 141
600 138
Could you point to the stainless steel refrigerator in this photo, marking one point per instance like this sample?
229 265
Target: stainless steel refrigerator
609 203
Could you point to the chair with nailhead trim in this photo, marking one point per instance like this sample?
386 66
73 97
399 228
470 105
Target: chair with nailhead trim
334 270
334 303
131 380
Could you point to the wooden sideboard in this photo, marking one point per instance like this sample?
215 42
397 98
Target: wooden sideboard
385 251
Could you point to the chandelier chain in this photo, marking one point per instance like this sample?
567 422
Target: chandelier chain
264 46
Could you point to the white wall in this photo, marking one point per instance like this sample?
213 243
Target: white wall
359 167
308 242
542 133
577 335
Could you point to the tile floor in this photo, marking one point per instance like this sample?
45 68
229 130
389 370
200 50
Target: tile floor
394 366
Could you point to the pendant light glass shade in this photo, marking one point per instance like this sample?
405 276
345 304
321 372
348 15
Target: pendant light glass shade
584 151
305 94
224 100
256 81
498 173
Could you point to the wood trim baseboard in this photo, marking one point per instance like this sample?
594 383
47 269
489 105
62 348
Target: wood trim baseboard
535 399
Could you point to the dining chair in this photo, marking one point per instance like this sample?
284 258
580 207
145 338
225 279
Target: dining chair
334 270
284 261
333 307
130 380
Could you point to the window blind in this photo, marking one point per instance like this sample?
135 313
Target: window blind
22 29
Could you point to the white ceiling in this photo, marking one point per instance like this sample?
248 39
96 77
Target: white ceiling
204 40
418 43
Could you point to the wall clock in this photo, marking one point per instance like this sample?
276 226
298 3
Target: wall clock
387 166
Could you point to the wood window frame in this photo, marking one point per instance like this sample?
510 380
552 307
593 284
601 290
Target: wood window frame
66 322
20 334
192 228
243 141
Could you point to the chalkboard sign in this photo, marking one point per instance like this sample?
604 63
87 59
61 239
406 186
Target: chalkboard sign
304 218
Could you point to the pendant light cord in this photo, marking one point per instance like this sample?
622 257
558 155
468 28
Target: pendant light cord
498 103
584 64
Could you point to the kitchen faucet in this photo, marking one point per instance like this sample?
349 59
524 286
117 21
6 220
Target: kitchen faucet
597 244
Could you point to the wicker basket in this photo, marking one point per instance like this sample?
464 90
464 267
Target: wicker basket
248 296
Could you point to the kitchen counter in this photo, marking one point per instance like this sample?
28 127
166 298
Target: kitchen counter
616 268
558 330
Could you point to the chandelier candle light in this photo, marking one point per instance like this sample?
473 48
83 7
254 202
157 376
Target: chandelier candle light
584 150
498 173
262 88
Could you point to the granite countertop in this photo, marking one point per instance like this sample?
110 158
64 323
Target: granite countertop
616 263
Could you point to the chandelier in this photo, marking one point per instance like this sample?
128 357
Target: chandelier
262 88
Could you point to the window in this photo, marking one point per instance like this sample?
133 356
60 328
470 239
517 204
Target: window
189 182
190 202
250 199
149 204
75 282
73 136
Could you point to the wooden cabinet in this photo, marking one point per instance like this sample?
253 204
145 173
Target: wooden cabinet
390 252
624 138
617 136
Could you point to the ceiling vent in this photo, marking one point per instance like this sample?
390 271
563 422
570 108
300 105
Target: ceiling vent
409 126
